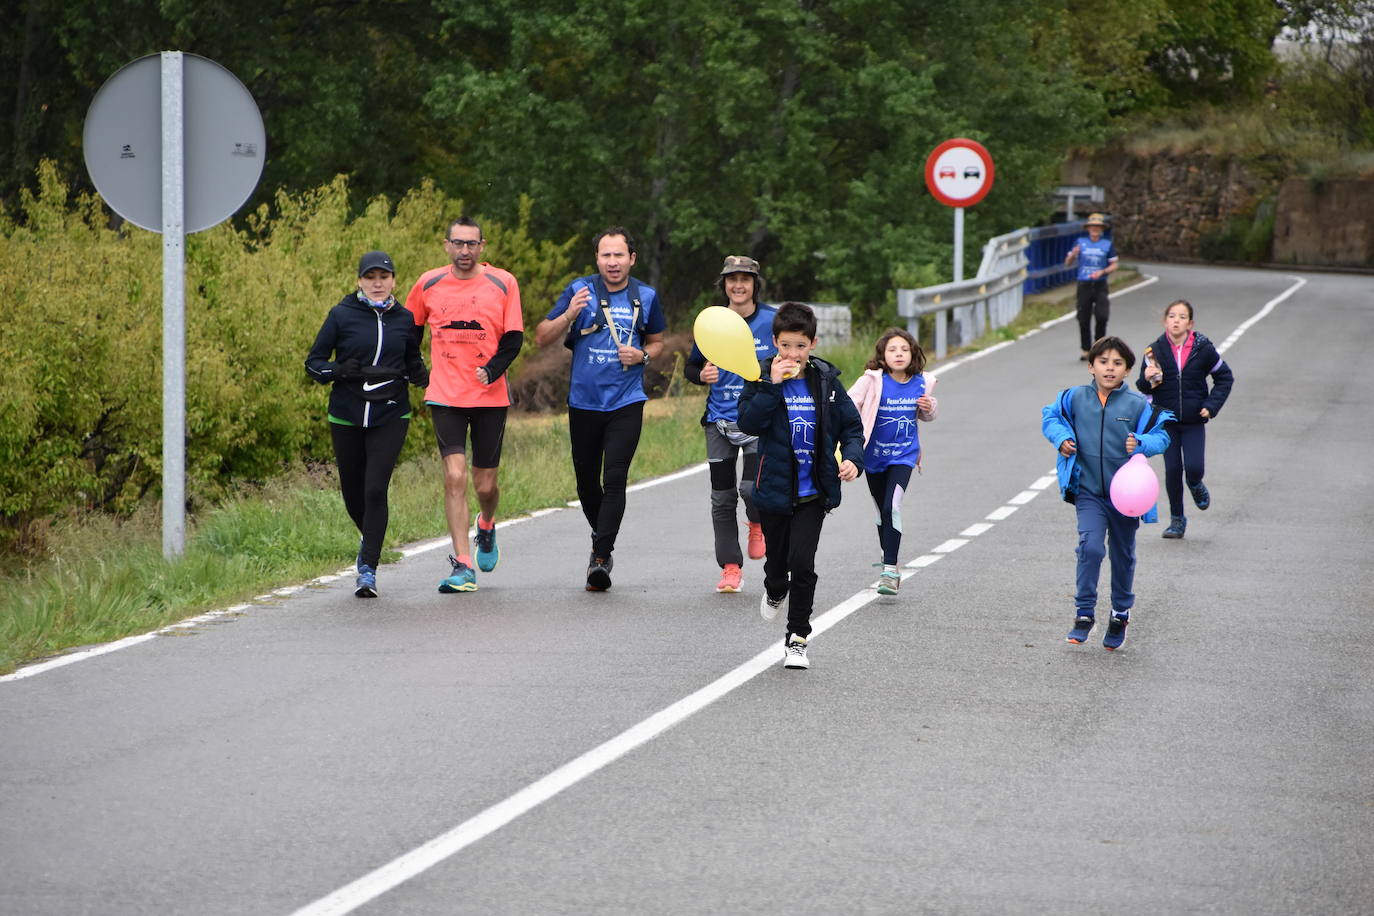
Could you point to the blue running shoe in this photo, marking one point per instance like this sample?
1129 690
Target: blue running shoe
1082 626
1116 632
463 579
366 585
1201 498
488 554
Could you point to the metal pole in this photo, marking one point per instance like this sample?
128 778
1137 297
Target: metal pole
173 310
958 244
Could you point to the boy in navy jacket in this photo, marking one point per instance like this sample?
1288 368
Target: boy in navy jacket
801 413
1096 428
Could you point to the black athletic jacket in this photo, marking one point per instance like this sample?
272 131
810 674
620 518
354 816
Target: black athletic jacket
384 343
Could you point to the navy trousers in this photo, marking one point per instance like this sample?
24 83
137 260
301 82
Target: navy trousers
1104 532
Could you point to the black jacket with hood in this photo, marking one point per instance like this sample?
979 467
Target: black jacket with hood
763 413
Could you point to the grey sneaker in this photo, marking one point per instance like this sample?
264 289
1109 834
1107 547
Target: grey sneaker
794 653
889 581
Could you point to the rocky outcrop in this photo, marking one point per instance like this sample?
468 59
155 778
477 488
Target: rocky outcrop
1325 222
1163 204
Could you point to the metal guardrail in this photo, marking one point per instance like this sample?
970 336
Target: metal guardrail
1020 262
991 299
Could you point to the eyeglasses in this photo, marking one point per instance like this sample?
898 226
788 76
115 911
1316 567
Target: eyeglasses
465 243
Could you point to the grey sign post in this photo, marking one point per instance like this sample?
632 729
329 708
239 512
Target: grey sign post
174 143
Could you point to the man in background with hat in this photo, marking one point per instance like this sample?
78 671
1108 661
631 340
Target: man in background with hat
742 284
1096 258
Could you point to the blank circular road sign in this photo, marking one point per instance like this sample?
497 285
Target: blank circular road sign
223 138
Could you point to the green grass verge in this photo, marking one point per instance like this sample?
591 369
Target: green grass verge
105 578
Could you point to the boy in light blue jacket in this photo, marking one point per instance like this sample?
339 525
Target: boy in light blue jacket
1096 428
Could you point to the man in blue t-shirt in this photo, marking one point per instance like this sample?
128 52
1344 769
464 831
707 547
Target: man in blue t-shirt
614 325
1096 258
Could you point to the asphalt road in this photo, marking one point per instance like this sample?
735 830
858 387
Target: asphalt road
947 753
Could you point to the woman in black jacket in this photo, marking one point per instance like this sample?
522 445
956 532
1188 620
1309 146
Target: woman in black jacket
1174 373
375 352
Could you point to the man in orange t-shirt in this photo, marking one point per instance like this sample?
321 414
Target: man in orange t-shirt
476 330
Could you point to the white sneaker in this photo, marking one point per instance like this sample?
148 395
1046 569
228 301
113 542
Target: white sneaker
794 653
768 605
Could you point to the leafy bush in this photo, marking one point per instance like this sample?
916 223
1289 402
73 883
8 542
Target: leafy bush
82 396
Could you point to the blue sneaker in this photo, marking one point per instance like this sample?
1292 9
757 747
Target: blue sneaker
1082 626
1201 498
1177 525
366 584
1116 632
463 579
488 554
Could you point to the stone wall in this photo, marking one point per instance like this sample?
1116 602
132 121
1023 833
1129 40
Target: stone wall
1328 222
1162 204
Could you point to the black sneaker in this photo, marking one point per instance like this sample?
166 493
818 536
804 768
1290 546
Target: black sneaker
1116 633
1201 498
1082 626
1177 525
599 573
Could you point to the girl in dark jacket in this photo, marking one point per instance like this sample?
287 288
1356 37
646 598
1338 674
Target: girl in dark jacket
1174 373
375 352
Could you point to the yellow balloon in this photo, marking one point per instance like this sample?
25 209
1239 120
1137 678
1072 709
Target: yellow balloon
725 339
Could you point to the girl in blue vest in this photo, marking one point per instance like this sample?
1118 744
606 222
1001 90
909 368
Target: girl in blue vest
892 395
1174 375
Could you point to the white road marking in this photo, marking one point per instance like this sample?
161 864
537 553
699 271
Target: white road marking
1025 496
1269 306
972 531
1001 513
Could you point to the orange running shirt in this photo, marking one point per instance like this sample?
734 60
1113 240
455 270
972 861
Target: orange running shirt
466 319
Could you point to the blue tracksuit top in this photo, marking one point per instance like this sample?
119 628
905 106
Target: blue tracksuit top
1099 431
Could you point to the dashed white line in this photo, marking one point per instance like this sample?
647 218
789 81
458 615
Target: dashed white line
1025 496
972 531
1001 513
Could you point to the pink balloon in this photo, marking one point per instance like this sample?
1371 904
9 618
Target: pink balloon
1135 488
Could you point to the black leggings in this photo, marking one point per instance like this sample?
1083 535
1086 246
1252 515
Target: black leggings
887 487
366 456
790 568
603 445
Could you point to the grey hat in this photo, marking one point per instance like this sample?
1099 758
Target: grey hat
376 260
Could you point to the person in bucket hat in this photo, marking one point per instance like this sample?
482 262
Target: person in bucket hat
741 284
1096 257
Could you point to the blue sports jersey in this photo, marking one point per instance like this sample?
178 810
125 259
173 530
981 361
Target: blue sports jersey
1093 256
895 439
598 381
722 398
801 413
